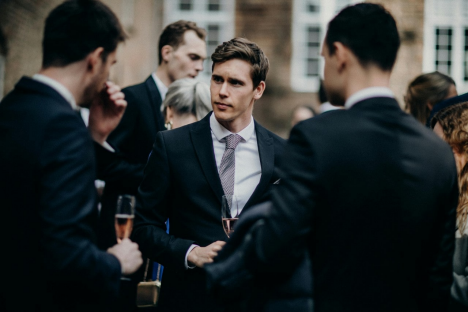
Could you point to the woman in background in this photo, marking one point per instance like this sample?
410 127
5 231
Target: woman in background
187 100
425 91
451 124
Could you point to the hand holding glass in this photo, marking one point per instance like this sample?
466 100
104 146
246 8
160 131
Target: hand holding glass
124 215
229 213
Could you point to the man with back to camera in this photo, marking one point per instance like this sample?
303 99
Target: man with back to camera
182 50
47 169
192 167
367 190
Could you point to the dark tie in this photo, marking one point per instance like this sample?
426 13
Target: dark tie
227 168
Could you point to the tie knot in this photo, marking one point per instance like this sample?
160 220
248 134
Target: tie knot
232 141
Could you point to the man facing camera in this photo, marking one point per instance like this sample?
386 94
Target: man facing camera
355 187
192 167
47 194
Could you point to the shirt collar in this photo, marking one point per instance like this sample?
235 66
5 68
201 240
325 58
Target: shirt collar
161 86
368 93
220 132
60 88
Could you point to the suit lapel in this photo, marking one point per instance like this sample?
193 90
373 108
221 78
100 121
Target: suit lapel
267 161
155 102
203 145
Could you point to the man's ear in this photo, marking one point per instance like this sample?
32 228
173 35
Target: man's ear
94 58
259 90
166 52
341 54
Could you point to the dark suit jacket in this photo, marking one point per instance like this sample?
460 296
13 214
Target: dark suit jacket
182 183
132 139
372 194
48 201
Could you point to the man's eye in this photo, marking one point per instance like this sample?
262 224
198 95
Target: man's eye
194 57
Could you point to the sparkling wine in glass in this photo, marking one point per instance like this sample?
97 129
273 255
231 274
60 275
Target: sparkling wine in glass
229 213
124 215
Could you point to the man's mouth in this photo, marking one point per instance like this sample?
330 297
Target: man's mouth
221 105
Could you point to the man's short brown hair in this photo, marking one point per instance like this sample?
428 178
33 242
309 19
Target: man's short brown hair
173 34
243 49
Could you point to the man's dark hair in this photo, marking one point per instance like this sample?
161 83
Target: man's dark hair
173 35
243 49
76 28
369 31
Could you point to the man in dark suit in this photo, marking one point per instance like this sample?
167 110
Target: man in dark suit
48 200
192 167
368 191
182 50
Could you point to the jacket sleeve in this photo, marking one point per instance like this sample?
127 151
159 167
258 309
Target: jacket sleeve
153 209
67 207
294 200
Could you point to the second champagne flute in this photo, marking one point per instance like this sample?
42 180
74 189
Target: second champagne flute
124 214
229 213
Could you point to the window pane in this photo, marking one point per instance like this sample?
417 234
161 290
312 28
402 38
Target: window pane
312 67
465 61
212 34
313 6
185 5
443 49
313 51
214 5
314 35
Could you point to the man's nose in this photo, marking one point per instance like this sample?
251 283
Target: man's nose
199 65
224 90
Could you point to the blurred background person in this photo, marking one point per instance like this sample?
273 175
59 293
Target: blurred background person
187 100
451 124
425 91
300 113
182 50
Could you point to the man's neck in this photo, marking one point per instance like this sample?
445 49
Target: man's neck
162 74
366 78
71 77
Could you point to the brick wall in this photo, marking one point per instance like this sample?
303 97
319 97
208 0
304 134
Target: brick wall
409 15
267 22
22 23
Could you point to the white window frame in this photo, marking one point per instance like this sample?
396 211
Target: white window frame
224 18
458 22
302 20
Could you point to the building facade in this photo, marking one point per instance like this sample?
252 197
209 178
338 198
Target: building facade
289 31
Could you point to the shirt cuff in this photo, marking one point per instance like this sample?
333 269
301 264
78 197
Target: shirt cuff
108 147
186 256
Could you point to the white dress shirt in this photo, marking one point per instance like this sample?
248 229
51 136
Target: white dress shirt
248 168
327 106
368 93
161 86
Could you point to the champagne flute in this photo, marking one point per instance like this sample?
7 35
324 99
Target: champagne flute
124 215
229 213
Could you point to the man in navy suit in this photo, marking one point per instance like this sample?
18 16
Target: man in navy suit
192 167
48 200
369 192
182 50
